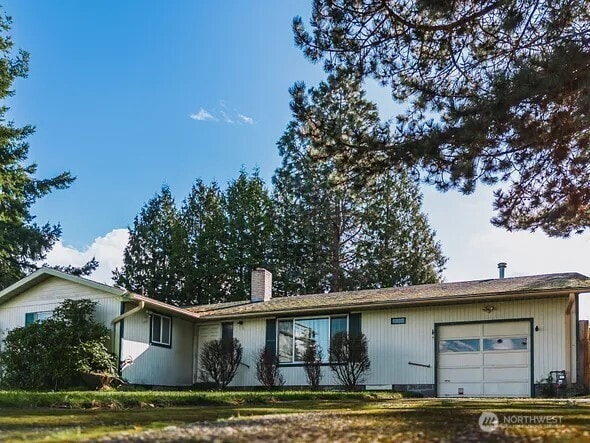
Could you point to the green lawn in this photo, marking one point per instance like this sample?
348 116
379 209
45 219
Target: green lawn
298 416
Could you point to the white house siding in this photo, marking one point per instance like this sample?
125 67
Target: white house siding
156 365
252 336
48 295
391 347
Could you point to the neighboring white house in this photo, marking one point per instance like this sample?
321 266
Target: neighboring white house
495 337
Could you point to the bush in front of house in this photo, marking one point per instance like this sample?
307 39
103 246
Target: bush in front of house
349 359
220 360
58 352
312 364
268 371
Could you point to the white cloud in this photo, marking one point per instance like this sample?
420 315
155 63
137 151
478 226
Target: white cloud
224 115
108 251
246 119
203 115
226 118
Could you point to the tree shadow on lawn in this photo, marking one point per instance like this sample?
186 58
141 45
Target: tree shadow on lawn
39 420
415 420
458 420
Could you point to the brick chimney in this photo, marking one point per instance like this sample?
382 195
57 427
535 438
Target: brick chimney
261 285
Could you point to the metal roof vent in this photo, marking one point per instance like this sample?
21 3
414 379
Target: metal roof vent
502 269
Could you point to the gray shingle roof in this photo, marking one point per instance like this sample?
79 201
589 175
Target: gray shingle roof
440 292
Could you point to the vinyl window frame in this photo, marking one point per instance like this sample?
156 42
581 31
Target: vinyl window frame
326 352
160 343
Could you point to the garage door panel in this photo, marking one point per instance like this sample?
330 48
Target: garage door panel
506 328
507 374
462 359
506 389
506 358
460 331
454 389
484 360
460 375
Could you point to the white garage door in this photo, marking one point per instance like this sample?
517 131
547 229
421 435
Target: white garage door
484 360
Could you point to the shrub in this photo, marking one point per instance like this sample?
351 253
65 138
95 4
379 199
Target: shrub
268 372
349 359
220 360
312 364
56 353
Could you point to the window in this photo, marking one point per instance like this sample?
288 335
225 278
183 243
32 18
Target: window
398 320
32 317
295 335
459 345
161 330
505 344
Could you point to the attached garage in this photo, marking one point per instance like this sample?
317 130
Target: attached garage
484 359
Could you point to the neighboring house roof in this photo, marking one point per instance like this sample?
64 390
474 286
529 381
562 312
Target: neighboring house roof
478 290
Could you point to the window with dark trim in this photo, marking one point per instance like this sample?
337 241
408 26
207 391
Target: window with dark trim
161 330
32 317
296 334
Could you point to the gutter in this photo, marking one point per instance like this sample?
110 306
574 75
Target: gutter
123 316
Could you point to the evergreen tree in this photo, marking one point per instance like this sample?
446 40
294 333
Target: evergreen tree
83 271
23 243
249 227
203 250
151 264
397 246
496 91
333 236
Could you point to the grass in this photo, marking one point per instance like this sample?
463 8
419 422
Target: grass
335 416
134 399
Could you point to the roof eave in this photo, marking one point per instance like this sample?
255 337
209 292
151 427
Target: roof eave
44 273
402 303
162 307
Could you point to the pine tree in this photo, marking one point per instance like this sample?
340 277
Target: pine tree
397 246
23 243
150 261
495 92
249 225
204 244
333 236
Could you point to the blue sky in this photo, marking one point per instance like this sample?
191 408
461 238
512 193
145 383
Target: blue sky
113 86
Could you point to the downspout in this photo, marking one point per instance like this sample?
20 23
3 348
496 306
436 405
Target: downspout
568 337
119 319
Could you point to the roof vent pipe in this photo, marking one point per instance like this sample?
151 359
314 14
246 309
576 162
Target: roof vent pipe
502 269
